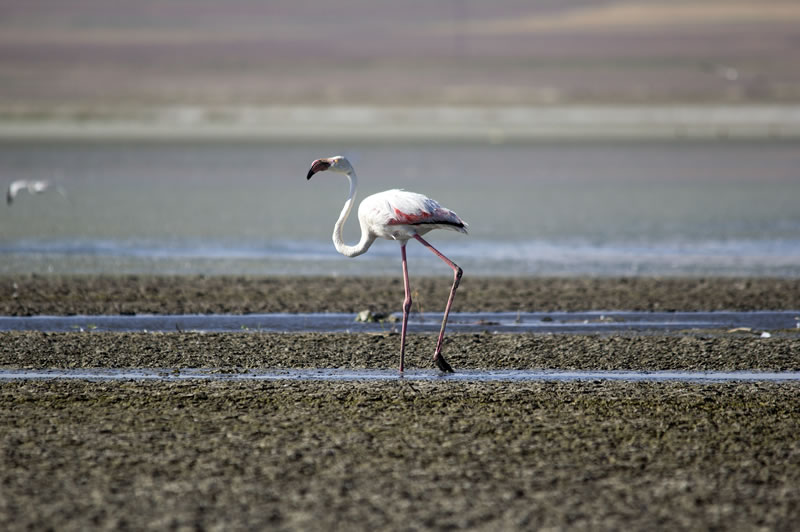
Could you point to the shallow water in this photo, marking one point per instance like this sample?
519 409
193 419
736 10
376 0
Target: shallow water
410 375
523 322
567 208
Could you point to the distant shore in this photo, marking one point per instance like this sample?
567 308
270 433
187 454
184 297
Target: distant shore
136 294
494 124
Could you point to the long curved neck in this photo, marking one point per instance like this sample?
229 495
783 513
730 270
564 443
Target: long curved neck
366 238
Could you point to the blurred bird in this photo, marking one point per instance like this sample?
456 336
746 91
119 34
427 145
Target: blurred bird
726 72
33 187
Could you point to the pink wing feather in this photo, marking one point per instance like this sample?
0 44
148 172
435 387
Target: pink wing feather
398 214
410 208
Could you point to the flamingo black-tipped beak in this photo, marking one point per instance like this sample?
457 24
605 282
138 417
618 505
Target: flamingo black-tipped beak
320 165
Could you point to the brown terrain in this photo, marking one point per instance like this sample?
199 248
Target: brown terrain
94 54
294 455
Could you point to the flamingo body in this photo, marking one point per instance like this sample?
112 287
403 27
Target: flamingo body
399 215
396 215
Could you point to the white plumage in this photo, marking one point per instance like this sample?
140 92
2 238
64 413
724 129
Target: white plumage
32 186
398 215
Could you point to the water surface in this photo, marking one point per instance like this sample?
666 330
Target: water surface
569 208
339 375
505 322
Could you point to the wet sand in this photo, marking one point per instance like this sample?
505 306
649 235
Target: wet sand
395 455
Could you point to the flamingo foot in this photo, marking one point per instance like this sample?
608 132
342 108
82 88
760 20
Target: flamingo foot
442 364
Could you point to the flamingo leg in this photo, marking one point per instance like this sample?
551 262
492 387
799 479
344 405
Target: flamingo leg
406 308
438 359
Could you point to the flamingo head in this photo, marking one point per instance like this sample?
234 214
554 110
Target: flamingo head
337 164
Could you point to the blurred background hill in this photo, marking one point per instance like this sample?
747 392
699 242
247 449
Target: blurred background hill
98 53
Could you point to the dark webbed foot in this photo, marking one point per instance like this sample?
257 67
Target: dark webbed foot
442 364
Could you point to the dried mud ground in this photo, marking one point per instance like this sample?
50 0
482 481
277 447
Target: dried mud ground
130 294
222 455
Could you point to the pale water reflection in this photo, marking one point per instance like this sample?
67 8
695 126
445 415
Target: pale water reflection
346 375
603 322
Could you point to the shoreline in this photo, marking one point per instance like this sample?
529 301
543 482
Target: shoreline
494 124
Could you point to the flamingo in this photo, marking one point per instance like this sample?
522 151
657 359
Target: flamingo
396 215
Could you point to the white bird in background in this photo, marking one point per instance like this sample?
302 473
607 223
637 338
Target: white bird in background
395 215
33 187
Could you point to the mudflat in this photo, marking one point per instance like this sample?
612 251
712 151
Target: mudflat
205 454
240 351
131 294
394 455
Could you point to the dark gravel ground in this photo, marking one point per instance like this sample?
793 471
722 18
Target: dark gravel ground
380 456
59 295
221 455
237 351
